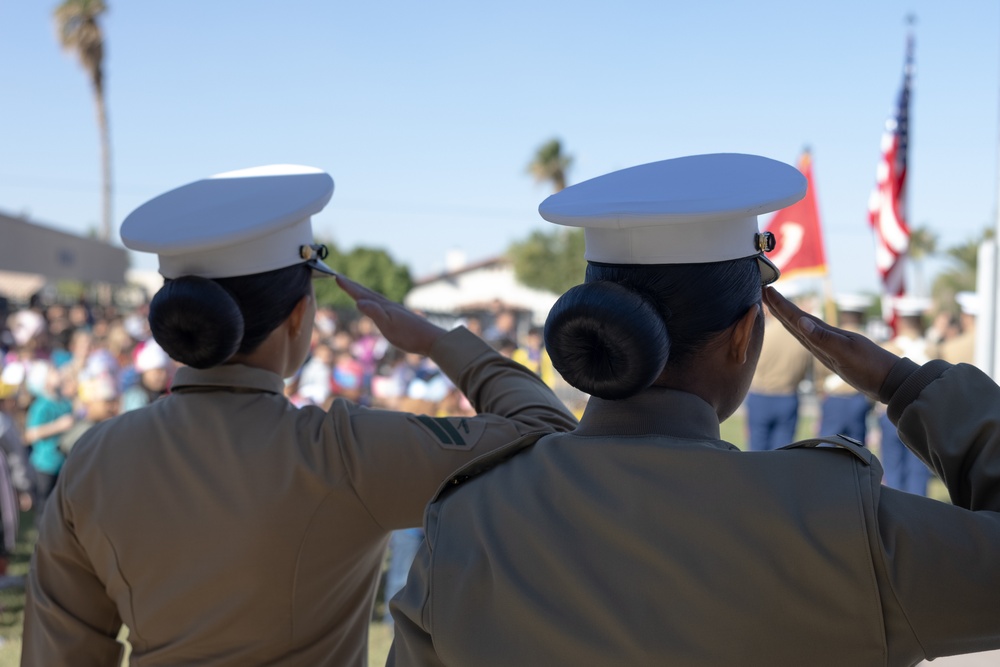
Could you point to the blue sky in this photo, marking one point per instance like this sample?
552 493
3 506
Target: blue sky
426 114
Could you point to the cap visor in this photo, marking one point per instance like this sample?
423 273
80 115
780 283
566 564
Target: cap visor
319 267
768 271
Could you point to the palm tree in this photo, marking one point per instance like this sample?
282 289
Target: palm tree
554 260
923 244
961 276
80 34
551 164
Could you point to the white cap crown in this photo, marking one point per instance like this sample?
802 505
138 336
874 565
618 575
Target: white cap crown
233 224
689 210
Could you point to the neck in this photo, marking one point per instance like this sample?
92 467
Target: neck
271 355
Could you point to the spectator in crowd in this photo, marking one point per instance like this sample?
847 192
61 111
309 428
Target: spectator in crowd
49 416
961 349
155 370
390 384
532 355
315 380
503 328
903 469
28 330
325 323
81 316
99 401
367 348
288 509
772 406
81 344
7 342
16 474
348 372
403 546
844 409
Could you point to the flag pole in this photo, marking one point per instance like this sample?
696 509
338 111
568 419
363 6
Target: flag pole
988 322
829 300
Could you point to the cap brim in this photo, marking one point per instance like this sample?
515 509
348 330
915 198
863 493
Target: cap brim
768 271
320 268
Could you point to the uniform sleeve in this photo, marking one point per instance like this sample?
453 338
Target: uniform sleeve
940 560
68 619
412 644
396 461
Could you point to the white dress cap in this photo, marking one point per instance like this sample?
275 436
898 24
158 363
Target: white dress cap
968 302
234 224
689 210
853 303
911 306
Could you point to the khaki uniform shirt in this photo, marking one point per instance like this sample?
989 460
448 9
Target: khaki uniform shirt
783 362
829 383
641 538
960 349
224 526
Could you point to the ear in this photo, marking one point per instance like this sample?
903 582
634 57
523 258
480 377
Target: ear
739 342
297 318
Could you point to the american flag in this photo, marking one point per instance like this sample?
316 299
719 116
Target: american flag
887 206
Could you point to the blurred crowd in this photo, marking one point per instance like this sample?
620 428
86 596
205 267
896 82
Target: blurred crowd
66 367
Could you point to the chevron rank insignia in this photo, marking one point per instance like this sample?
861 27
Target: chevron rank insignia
453 432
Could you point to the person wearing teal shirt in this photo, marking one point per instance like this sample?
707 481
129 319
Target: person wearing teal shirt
49 416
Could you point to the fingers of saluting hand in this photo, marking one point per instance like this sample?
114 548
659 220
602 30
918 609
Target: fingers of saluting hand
355 290
860 362
401 327
815 335
369 302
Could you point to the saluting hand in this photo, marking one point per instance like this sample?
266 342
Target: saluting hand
400 325
860 362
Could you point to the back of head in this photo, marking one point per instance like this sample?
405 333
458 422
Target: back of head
675 257
201 322
616 334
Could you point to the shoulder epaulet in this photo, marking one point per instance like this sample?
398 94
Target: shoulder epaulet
487 461
842 442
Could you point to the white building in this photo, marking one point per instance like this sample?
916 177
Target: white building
477 289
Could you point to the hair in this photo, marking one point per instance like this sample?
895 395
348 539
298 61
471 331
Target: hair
616 334
202 322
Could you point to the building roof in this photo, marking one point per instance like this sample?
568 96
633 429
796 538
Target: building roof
31 248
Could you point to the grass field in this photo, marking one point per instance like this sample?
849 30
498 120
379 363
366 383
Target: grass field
380 638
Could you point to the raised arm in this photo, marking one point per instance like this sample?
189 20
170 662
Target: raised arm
397 460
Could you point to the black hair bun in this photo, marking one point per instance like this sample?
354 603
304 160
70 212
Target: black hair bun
196 321
607 340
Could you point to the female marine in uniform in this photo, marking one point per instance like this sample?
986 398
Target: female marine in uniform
220 524
643 538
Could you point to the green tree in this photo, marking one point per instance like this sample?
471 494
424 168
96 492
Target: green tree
372 267
961 275
923 244
80 33
552 261
550 164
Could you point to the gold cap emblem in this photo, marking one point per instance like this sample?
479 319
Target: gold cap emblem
764 241
314 250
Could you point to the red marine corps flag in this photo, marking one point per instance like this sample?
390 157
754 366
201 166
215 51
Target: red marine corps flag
887 207
798 249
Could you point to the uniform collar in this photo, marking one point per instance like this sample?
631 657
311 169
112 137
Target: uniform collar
236 376
656 411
